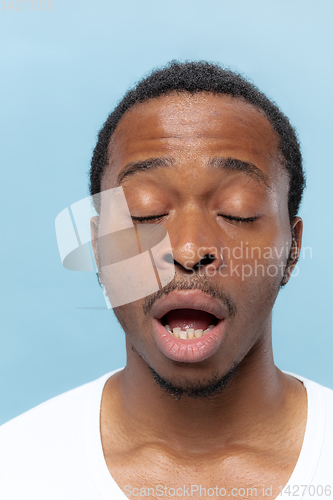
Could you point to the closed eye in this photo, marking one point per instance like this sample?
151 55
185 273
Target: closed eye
148 218
238 219
159 217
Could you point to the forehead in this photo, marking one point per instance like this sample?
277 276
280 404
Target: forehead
193 128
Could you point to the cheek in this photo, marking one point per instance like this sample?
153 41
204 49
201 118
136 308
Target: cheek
268 266
130 317
254 269
256 296
262 243
123 316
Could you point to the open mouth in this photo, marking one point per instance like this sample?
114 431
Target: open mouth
188 323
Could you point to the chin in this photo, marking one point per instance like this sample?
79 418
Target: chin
195 387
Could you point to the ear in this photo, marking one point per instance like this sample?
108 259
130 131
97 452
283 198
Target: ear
94 223
297 233
295 249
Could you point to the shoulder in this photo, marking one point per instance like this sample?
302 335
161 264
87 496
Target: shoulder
324 393
49 414
57 413
319 431
46 443
320 398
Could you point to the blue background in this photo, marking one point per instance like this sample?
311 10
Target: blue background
61 74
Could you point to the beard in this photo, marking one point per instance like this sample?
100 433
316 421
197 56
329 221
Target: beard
195 390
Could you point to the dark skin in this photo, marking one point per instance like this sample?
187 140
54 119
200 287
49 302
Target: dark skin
249 434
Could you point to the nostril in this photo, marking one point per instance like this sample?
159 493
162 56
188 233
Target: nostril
207 259
168 258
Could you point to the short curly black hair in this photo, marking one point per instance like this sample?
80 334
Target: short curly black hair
201 76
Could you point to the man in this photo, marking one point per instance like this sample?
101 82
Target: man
200 408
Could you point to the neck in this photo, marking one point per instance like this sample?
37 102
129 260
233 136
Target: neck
252 400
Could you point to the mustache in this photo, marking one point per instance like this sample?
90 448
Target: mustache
196 283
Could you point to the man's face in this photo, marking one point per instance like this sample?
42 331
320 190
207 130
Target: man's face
220 190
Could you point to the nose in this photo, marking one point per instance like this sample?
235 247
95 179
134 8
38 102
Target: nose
207 260
202 259
196 244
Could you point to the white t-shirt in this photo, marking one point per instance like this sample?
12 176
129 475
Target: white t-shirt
54 451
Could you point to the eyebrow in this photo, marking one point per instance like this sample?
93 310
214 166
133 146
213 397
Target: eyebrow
229 164
246 168
139 166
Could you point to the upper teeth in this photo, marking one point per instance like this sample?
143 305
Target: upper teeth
189 333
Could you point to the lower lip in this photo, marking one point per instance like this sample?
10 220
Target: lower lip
191 350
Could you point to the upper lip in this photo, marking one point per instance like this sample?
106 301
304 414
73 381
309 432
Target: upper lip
189 299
